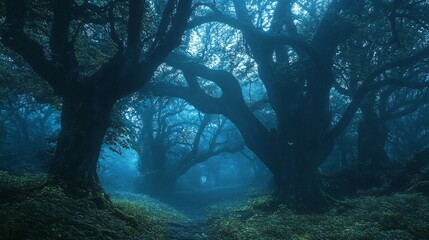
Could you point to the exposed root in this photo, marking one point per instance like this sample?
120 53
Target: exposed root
420 187
334 201
121 215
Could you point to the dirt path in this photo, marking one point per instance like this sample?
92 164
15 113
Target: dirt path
192 230
193 203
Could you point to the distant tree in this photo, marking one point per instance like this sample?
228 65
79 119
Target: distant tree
56 37
373 131
411 134
294 60
387 104
170 138
28 118
26 126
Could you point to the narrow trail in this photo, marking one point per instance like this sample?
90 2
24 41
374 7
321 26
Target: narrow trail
192 230
192 203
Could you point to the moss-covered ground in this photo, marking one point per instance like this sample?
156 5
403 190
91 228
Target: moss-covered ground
37 211
49 213
399 216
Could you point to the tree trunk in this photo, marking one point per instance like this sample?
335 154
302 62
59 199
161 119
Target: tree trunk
297 180
156 184
84 122
153 170
372 138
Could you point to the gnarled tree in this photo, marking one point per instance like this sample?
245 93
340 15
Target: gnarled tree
171 137
88 96
295 65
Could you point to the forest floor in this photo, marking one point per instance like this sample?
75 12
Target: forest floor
251 213
192 204
233 213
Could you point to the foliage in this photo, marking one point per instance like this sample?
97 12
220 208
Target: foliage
9 182
117 135
139 204
16 77
400 216
49 213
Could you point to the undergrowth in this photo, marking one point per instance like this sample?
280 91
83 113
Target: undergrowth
400 216
49 213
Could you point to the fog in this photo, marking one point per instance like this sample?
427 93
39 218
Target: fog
226 119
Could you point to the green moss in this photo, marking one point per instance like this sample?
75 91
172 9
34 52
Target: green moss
401 216
49 213
9 182
159 212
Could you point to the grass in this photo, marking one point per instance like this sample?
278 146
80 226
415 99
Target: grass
13 182
139 203
49 213
400 216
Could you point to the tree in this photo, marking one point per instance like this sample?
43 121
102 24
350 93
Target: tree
388 104
373 130
88 96
25 126
171 137
411 134
295 65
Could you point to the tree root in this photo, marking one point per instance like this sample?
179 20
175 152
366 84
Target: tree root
420 187
335 202
102 201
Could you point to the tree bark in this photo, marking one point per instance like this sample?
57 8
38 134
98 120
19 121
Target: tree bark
300 153
84 123
299 186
